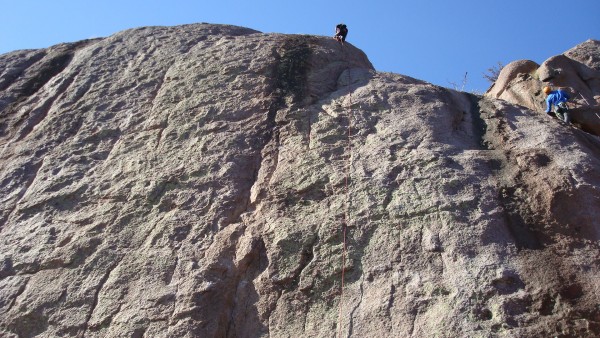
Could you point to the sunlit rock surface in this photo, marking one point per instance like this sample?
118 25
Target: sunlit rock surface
214 181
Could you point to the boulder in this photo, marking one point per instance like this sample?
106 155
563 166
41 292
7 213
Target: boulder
577 71
215 181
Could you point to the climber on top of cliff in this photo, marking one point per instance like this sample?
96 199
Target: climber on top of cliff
559 99
340 33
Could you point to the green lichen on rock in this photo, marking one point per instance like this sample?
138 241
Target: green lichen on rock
292 67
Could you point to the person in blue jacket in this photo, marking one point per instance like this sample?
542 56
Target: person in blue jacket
557 98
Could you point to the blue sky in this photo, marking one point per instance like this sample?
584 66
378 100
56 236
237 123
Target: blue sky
433 40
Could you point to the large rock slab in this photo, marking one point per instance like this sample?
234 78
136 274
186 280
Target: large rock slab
214 181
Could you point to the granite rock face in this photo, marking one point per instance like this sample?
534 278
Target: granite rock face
214 181
577 71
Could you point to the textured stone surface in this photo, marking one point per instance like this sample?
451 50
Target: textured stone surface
577 71
201 181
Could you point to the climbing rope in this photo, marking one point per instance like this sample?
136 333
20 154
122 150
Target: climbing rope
346 193
346 218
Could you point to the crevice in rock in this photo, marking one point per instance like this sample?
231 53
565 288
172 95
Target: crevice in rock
6 267
35 320
38 115
269 159
20 291
250 267
154 94
309 131
291 281
547 305
107 320
288 89
591 142
48 69
479 126
274 154
9 79
522 223
522 232
394 184
172 319
30 174
79 91
413 321
53 62
139 332
101 284
390 303
159 137
307 256
356 306
171 273
31 324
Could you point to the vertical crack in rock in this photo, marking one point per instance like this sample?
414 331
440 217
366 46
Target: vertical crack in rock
288 89
390 303
491 131
171 318
292 69
33 78
160 134
37 115
590 141
269 314
413 316
20 291
291 280
480 126
351 324
48 68
101 284
523 232
154 94
307 256
10 76
36 320
171 273
30 173
392 180
250 267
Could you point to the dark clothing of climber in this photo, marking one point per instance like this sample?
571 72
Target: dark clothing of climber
340 33
559 99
